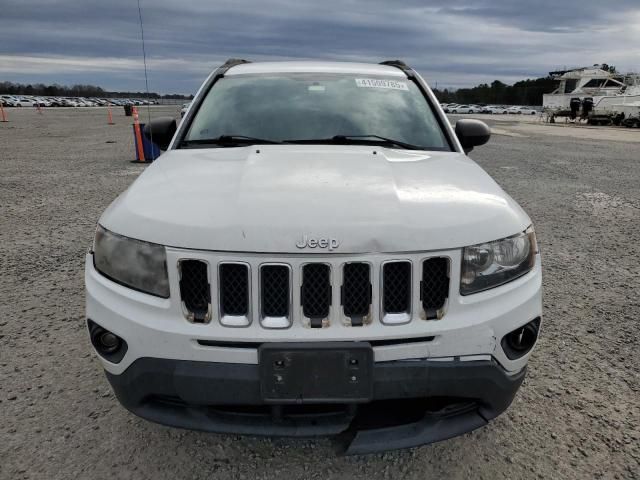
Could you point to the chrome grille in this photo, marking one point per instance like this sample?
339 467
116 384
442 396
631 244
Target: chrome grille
356 291
290 291
274 290
195 290
316 292
396 287
434 287
234 289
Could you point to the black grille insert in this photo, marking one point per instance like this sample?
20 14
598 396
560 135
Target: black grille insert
195 290
434 287
396 287
234 289
316 292
356 291
274 289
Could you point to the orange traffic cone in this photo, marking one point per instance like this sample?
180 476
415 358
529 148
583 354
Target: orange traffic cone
2 114
136 128
38 108
109 116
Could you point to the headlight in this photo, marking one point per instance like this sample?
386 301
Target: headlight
491 264
133 263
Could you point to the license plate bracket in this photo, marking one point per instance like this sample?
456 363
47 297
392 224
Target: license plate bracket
330 372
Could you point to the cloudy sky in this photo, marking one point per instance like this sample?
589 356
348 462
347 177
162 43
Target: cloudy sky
452 43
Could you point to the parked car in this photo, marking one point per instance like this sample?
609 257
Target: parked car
463 109
54 102
72 102
24 102
498 110
528 111
7 101
42 102
276 266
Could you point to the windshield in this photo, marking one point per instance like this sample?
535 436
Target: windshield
304 107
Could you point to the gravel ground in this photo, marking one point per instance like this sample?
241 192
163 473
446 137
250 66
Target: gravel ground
576 416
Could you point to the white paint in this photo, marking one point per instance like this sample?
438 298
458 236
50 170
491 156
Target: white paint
235 199
251 204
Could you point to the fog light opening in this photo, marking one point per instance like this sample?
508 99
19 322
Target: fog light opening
108 342
520 341
108 345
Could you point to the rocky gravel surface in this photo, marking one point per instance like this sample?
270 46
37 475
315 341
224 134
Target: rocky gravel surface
576 416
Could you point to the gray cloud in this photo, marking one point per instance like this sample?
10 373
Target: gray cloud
451 42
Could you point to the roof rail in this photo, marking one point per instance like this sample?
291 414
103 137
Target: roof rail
401 65
232 62
395 63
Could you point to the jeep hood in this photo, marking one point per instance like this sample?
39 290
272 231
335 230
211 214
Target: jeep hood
265 198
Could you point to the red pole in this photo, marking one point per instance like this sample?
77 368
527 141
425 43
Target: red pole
4 115
110 118
136 127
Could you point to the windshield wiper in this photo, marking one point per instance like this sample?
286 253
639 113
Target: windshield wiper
377 139
390 141
228 141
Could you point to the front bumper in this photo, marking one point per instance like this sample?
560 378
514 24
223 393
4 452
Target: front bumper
432 379
156 327
414 402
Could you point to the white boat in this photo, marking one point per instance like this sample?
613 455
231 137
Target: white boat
630 109
608 90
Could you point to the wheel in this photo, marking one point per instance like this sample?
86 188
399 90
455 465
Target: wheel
470 111
454 111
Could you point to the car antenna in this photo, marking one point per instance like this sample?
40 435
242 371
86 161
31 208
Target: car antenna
146 79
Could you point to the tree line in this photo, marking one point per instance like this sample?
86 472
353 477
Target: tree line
56 90
524 92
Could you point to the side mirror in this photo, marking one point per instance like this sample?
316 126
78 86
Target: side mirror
160 131
472 133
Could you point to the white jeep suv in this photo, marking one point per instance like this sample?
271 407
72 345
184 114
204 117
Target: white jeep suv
315 254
